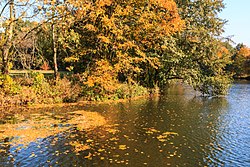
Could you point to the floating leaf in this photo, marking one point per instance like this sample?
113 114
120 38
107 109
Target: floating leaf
101 150
89 156
170 133
89 141
32 155
113 139
122 147
151 130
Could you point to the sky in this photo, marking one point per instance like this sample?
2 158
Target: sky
237 12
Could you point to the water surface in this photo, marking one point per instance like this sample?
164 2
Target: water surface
175 129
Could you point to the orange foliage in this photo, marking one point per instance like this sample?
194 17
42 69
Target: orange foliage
104 2
45 66
172 22
223 51
244 51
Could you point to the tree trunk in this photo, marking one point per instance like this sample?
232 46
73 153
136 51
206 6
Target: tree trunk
54 53
6 47
5 54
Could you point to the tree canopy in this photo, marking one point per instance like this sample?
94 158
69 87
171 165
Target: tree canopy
147 42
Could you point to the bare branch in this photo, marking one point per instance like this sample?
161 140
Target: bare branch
4 8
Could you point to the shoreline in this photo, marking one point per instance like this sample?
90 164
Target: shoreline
79 103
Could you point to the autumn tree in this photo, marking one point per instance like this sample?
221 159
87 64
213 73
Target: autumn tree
129 35
241 64
195 55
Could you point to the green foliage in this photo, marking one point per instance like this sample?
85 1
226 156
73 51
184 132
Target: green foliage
37 89
123 91
196 54
129 91
241 61
38 79
214 86
8 86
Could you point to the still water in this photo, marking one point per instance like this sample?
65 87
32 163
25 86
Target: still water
175 129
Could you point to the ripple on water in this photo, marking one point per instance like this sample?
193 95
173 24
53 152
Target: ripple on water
174 130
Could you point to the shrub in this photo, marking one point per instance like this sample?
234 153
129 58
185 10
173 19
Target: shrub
27 96
66 91
123 91
8 85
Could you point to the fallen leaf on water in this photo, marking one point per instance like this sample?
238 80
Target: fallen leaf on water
79 146
163 136
89 140
113 139
32 155
151 130
126 136
170 133
89 156
101 150
122 147
2 151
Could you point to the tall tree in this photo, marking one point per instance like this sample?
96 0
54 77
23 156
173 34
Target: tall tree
127 34
7 36
198 46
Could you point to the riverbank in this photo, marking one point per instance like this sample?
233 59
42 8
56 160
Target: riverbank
36 90
247 77
79 103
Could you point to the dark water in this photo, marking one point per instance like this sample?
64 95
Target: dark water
175 129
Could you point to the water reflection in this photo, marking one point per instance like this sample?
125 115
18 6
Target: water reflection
176 129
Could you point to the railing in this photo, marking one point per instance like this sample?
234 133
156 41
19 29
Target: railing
45 72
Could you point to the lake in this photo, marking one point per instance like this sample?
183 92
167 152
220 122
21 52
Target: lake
177 128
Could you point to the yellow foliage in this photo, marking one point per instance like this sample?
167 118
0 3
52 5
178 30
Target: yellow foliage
103 75
71 59
172 21
127 33
90 27
104 39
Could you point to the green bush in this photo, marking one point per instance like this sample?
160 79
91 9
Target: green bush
214 86
8 85
37 89
124 91
38 79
